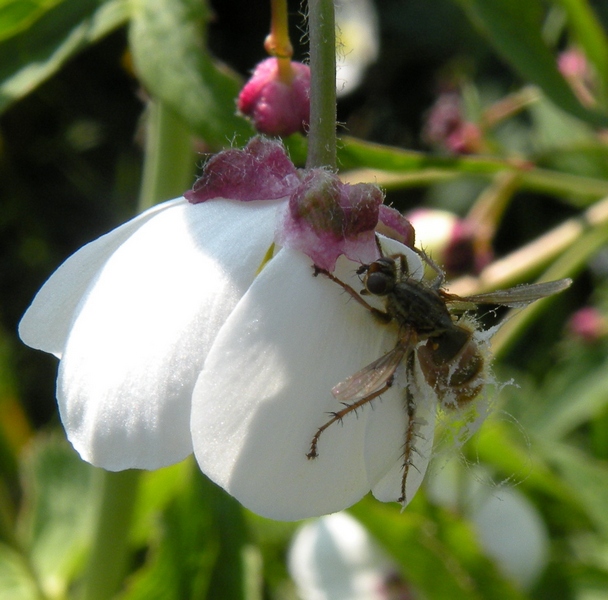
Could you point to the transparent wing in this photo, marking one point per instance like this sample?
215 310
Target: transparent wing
520 295
372 377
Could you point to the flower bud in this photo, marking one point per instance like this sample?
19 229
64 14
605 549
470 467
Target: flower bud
447 128
277 105
451 241
577 71
588 324
466 252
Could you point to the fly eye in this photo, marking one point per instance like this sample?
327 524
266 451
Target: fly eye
378 283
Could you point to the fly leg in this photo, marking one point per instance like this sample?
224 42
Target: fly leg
380 314
410 432
339 415
439 279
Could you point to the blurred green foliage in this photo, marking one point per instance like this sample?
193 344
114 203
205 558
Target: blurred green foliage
75 81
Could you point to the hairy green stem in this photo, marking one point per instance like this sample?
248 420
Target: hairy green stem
322 134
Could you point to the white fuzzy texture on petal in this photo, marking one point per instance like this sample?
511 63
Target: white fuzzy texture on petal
266 386
46 323
143 329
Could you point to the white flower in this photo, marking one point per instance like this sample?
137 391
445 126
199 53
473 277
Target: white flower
334 558
357 42
509 527
171 340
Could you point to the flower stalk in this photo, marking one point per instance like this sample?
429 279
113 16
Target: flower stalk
108 558
322 134
277 43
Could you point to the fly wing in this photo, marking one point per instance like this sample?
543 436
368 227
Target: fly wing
372 377
517 296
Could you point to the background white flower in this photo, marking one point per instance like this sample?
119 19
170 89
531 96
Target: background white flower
334 558
509 527
358 42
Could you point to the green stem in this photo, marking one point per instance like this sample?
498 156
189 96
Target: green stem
322 134
169 157
108 559
572 261
576 190
529 260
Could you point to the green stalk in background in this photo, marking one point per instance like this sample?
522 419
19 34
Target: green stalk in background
169 160
108 561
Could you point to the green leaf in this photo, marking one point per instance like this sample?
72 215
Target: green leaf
514 28
574 396
199 546
17 15
587 477
38 38
554 128
183 553
58 523
157 489
16 582
505 445
438 552
170 57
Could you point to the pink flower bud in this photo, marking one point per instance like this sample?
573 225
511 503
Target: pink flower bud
447 128
573 63
466 252
577 71
277 106
451 241
588 324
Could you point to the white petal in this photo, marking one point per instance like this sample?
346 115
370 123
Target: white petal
266 388
145 325
47 321
335 558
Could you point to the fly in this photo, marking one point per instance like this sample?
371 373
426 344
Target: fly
433 329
